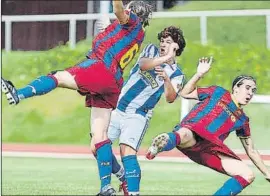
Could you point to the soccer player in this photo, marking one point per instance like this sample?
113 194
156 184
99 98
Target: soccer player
201 133
99 77
155 73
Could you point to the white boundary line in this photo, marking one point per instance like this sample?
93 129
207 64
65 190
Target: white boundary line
90 156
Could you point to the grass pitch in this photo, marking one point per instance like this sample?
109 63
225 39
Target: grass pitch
46 176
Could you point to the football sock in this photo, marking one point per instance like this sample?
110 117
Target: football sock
39 86
132 173
117 169
233 186
174 140
104 160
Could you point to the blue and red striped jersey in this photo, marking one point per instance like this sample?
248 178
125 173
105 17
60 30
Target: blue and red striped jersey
118 44
218 114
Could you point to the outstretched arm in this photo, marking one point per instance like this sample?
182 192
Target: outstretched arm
255 157
151 63
119 11
189 91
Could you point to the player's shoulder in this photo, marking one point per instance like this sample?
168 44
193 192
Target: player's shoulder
178 68
177 71
214 90
219 89
149 47
245 117
149 51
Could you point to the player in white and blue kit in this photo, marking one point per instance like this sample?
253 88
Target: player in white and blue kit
156 72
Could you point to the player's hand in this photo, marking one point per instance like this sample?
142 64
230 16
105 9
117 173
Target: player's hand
161 72
204 65
102 23
172 49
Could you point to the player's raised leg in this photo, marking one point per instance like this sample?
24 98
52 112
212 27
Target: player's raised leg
39 86
181 137
241 176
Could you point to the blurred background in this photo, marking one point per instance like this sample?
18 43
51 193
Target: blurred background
238 44
236 33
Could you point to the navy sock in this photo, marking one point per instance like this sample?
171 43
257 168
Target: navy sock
233 186
104 160
117 169
174 140
39 86
132 173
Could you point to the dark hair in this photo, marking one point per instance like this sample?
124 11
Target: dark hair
177 36
238 81
142 10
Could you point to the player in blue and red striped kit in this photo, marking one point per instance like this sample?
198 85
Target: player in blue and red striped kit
201 133
99 77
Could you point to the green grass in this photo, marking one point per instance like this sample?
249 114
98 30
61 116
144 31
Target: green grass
43 176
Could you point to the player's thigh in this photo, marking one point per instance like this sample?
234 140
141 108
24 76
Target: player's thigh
65 79
114 126
99 123
133 129
186 136
235 167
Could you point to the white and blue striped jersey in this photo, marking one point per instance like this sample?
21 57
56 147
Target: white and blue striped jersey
143 89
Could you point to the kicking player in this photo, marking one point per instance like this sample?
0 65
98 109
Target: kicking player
156 72
99 77
201 133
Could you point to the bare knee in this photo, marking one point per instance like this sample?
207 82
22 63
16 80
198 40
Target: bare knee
92 147
248 175
65 79
187 138
126 150
235 167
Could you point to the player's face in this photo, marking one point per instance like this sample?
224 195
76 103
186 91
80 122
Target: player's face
245 92
164 45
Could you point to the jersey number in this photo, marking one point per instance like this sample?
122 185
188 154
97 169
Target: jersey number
126 58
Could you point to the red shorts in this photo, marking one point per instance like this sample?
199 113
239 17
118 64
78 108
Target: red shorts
97 83
205 151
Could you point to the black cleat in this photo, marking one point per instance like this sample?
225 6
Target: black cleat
10 91
109 191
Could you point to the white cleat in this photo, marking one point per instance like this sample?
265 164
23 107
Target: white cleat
10 91
157 145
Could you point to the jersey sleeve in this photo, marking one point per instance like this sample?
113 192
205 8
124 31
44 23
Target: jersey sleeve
244 131
133 19
205 92
149 51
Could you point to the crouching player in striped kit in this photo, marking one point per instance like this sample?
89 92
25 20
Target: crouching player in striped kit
201 133
156 72
98 77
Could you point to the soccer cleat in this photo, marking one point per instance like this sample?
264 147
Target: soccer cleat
10 91
123 187
157 145
107 191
